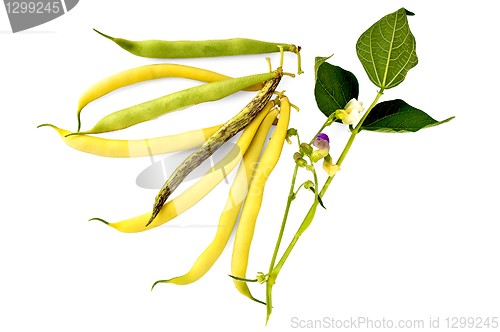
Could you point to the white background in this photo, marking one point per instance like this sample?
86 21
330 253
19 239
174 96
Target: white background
412 226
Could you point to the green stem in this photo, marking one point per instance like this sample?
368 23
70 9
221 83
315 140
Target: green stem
348 145
273 273
305 224
296 193
291 196
360 123
327 123
298 140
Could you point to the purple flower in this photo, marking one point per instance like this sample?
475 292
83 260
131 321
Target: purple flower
323 137
322 142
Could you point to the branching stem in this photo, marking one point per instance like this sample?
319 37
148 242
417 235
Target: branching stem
274 270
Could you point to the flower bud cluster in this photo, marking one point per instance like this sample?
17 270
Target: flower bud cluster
322 143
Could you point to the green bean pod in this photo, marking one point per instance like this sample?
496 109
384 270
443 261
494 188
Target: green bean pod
222 135
175 101
154 48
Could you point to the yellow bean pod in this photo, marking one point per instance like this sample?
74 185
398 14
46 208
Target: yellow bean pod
116 148
232 209
200 189
147 73
253 201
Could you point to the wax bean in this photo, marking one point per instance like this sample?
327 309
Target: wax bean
229 216
146 73
198 49
222 135
200 189
115 148
253 202
175 101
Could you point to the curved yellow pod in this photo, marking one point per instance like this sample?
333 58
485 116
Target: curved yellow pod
253 201
200 189
147 73
232 208
116 148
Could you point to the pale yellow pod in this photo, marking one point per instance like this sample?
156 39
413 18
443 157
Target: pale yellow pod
200 189
116 148
253 201
231 211
147 73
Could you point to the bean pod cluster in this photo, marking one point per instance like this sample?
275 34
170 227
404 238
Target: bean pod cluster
254 121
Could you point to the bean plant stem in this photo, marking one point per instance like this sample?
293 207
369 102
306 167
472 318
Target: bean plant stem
274 270
319 131
291 196
349 142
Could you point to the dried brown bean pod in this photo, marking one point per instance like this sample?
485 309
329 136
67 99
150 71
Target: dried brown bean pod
222 135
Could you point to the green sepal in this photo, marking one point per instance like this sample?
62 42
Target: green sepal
306 149
319 198
291 132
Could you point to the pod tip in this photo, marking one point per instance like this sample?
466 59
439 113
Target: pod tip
151 219
102 34
102 220
75 133
157 283
45 124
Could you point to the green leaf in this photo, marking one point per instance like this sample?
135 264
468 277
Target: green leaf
387 50
396 116
334 87
318 61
